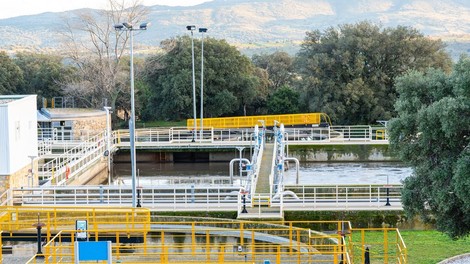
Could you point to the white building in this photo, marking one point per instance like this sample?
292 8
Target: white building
18 139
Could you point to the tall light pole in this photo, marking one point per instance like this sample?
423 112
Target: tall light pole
108 141
129 27
202 31
192 28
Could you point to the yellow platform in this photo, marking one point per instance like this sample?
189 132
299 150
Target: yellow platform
269 121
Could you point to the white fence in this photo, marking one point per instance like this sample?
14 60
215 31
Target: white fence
188 197
336 134
183 135
71 163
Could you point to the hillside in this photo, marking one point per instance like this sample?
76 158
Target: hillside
265 24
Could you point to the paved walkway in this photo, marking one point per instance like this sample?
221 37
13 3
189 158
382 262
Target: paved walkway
262 185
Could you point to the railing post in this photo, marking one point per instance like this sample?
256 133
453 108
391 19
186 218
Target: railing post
193 238
385 246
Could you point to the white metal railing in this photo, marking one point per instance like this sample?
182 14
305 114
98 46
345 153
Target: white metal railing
44 147
206 197
183 135
69 164
6 198
122 195
339 195
308 135
336 134
252 177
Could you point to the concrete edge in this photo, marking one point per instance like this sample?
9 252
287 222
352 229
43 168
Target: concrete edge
458 257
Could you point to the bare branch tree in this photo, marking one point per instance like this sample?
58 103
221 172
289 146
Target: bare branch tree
97 51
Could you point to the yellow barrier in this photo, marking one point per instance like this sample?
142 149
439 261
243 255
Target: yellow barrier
380 134
1 247
385 245
22 218
251 121
138 240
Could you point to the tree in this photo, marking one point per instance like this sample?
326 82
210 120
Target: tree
97 52
11 75
231 83
284 101
278 65
44 74
432 133
349 72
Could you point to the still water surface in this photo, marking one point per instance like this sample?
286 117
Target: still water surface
309 173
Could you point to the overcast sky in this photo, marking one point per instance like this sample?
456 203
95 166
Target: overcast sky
12 8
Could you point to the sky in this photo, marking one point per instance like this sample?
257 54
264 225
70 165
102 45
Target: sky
13 8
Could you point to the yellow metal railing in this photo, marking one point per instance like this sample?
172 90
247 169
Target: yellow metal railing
22 218
1 247
380 134
138 240
384 245
210 242
269 120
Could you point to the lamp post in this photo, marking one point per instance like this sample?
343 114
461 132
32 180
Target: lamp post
129 27
202 31
244 193
192 28
108 141
388 193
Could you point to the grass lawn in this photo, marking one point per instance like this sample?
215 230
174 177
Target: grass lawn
432 246
161 124
424 247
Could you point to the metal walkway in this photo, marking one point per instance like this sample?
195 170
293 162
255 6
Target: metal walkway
266 168
262 184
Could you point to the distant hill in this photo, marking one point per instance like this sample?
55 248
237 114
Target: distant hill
266 25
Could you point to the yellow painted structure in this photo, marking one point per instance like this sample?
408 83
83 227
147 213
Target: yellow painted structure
204 241
306 119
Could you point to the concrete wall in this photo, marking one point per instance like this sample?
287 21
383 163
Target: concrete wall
85 125
21 178
341 153
95 175
163 156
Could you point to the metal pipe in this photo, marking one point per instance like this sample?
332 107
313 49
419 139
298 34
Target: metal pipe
194 86
297 165
231 167
108 143
202 83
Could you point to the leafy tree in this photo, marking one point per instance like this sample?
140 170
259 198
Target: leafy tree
432 133
11 75
284 101
231 83
279 66
349 72
44 74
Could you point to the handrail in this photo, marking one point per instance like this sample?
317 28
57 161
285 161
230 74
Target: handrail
73 161
337 134
5 198
210 197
